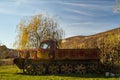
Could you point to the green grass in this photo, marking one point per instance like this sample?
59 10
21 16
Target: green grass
13 73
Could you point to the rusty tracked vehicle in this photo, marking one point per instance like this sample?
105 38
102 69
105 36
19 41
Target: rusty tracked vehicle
48 59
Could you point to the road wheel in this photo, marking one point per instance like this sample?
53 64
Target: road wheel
80 69
53 69
28 69
92 68
66 68
40 69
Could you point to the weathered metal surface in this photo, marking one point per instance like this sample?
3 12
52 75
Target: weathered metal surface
55 60
61 54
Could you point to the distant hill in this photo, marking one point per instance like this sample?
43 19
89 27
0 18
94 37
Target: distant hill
90 41
6 53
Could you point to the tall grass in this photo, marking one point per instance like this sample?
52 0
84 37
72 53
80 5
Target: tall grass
13 73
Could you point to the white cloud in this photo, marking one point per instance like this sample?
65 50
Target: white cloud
117 6
82 23
90 6
79 12
89 24
19 2
87 28
18 7
25 2
16 12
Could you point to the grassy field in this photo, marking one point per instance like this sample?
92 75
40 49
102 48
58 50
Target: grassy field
13 73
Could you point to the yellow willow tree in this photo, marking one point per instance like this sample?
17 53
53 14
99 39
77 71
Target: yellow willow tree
110 49
22 37
32 30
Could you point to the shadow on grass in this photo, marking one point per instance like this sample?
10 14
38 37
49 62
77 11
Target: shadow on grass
74 75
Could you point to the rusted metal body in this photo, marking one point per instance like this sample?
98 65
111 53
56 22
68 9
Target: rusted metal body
49 59
76 54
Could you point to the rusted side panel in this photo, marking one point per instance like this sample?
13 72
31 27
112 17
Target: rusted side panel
34 54
43 54
28 54
61 54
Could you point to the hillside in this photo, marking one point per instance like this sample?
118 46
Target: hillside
90 41
7 53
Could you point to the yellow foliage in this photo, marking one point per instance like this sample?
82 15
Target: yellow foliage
34 29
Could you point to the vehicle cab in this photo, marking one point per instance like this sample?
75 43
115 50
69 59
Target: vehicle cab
47 49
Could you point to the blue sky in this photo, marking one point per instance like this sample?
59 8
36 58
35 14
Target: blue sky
75 17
